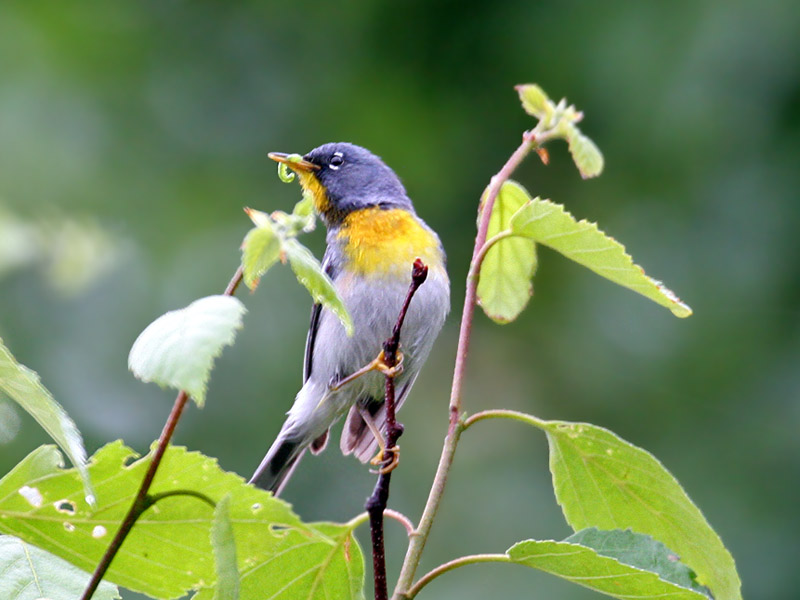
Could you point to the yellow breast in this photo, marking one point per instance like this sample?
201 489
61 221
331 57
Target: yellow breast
383 242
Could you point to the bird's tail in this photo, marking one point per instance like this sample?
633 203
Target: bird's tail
278 464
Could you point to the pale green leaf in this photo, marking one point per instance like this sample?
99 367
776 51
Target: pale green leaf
29 573
224 546
309 272
640 551
603 481
534 100
590 569
169 551
178 349
585 154
548 223
505 282
261 249
23 386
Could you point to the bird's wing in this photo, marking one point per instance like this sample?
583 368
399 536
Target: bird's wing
316 313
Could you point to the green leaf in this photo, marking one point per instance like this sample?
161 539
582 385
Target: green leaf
535 101
590 569
169 551
178 349
261 249
585 153
23 386
504 285
224 546
29 573
640 551
328 564
548 223
603 481
309 272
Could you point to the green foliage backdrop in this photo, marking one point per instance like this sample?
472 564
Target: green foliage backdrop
134 133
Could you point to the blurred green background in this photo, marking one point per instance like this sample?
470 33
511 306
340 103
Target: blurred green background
133 133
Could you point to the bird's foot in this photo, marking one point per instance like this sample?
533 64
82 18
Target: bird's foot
378 364
380 459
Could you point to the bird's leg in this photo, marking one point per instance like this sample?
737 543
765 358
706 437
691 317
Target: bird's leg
378 364
380 457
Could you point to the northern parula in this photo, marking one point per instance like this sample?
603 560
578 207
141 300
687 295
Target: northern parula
373 237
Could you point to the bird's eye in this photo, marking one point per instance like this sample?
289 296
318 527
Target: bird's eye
337 160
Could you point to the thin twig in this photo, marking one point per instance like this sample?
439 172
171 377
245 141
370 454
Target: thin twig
376 503
414 552
400 518
142 501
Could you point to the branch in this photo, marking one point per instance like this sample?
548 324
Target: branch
142 501
529 142
376 503
454 564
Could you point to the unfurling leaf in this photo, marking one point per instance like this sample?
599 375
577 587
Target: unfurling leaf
309 272
585 154
178 349
23 386
549 224
603 481
534 100
590 568
261 249
29 573
504 285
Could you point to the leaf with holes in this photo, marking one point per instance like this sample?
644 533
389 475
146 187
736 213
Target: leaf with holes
603 481
23 386
178 349
169 551
29 573
549 224
505 282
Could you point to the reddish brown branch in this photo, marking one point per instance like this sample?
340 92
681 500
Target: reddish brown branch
376 503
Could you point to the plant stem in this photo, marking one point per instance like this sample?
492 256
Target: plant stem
142 501
501 413
376 503
420 536
454 564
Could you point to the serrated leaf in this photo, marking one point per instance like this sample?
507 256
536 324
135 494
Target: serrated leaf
309 272
29 573
261 249
602 481
24 387
534 100
585 153
178 349
590 569
224 545
581 241
169 551
505 282
640 551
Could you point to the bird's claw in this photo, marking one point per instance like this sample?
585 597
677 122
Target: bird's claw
380 458
378 364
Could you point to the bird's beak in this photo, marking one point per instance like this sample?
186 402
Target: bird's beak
294 161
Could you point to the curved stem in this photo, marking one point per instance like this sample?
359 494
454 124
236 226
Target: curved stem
505 414
420 536
400 518
152 499
454 564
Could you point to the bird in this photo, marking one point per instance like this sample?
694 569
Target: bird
373 238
